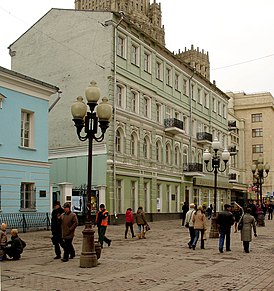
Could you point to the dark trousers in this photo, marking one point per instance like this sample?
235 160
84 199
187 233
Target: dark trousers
129 225
101 234
192 235
13 252
224 237
246 246
57 242
68 248
270 215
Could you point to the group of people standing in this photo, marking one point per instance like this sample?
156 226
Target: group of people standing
195 219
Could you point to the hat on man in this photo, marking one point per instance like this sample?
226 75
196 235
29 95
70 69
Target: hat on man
66 205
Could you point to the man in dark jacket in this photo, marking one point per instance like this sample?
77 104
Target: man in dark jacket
56 229
225 220
69 224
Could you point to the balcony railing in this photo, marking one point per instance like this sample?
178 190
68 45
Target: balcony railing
174 126
232 150
192 167
204 137
232 177
232 124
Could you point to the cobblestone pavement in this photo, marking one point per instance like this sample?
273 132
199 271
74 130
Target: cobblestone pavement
161 262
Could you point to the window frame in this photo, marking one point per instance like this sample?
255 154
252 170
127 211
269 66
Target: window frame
27 203
147 62
256 117
27 142
121 46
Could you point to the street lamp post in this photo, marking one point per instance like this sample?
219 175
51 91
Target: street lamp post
89 121
258 171
215 168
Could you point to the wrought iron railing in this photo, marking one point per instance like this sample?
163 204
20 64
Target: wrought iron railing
204 136
193 167
173 122
26 221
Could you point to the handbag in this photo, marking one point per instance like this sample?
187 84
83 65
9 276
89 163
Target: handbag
187 225
240 224
147 227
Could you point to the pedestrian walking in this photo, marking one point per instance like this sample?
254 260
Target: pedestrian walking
184 212
3 241
249 223
225 220
189 224
102 223
15 246
270 211
141 222
56 229
209 211
237 213
68 226
129 222
199 222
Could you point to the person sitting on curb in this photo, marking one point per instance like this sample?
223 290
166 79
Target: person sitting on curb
15 246
3 241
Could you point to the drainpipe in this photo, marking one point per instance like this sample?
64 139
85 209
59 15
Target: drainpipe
190 117
55 101
114 111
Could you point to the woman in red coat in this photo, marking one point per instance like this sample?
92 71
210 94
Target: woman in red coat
129 222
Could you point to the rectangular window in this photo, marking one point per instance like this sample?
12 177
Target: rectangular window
147 62
184 86
134 101
257 132
26 128
159 194
168 76
158 112
258 148
176 82
146 197
121 102
219 108
258 117
192 92
206 100
147 106
121 46
168 112
28 196
214 105
224 111
199 96
135 55
159 71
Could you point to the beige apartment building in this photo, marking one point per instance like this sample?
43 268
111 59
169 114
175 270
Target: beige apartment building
253 117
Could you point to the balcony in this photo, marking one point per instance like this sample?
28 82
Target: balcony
232 124
232 177
174 126
232 150
204 138
193 169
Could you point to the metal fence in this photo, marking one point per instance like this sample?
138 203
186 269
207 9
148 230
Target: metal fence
26 221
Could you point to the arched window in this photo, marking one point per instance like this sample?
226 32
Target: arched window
133 144
177 156
119 141
185 156
146 149
168 153
158 151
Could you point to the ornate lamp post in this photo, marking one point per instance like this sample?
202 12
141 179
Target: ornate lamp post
258 171
89 121
215 168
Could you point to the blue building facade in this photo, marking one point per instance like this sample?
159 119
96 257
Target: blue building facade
24 166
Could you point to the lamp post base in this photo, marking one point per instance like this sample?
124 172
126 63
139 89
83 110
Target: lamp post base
88 258
214 232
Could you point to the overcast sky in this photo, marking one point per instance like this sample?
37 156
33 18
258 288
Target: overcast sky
238 34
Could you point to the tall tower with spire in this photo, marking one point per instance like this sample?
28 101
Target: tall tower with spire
146 16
